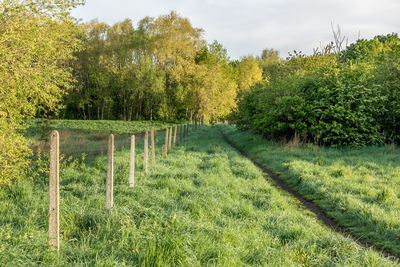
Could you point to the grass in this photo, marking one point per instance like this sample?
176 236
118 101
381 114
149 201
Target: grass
203 205
358 188
89 137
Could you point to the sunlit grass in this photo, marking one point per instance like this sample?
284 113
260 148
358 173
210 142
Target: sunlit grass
203 205
88 137
359 188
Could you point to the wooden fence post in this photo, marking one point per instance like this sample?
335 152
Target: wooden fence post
176 128
170 138
110 173
145 151
166 143
132 163
180 134
54 191
153 148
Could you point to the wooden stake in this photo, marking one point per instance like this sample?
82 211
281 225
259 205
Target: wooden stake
176 128
180 134
110 173
146 151
132 163
166 143
54 191
185 131
153 148
170 138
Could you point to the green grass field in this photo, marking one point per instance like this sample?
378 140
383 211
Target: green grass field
358 188
203 205
89 137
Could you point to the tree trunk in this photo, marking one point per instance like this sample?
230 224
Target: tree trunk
98 110
102 110
88 107
124 109
130 112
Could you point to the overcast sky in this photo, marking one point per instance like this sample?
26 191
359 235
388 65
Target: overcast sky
248 26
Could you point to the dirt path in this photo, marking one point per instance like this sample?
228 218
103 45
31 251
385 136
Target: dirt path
311 206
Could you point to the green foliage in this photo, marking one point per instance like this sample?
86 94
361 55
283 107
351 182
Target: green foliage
203 205
160 70
249 73
330 101
37 39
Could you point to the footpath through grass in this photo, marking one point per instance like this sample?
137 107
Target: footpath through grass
358 188
203 205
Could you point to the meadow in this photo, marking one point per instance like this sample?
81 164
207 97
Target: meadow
204 204
357 187
88 137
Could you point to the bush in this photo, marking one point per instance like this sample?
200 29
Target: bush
329 100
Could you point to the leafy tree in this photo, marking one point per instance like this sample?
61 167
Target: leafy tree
37 39
249 73
270 62
91 72
175 45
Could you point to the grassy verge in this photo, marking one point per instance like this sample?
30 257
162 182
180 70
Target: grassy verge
203 205
359 188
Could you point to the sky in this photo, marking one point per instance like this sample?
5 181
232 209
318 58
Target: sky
246 27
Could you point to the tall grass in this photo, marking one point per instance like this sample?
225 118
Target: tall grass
359 188
202 205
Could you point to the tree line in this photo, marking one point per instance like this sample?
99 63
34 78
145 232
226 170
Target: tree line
162 69
338 96
52 66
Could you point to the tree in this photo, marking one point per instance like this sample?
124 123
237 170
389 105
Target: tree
37 40
270 62
249 73
216 87
175 45
91 72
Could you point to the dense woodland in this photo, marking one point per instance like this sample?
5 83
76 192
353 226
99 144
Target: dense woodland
52 66
163 69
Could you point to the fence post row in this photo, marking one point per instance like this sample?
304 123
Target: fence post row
153 148
180 134
54 191
145 151
170 138
132 163
175 129
166 143
110 173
